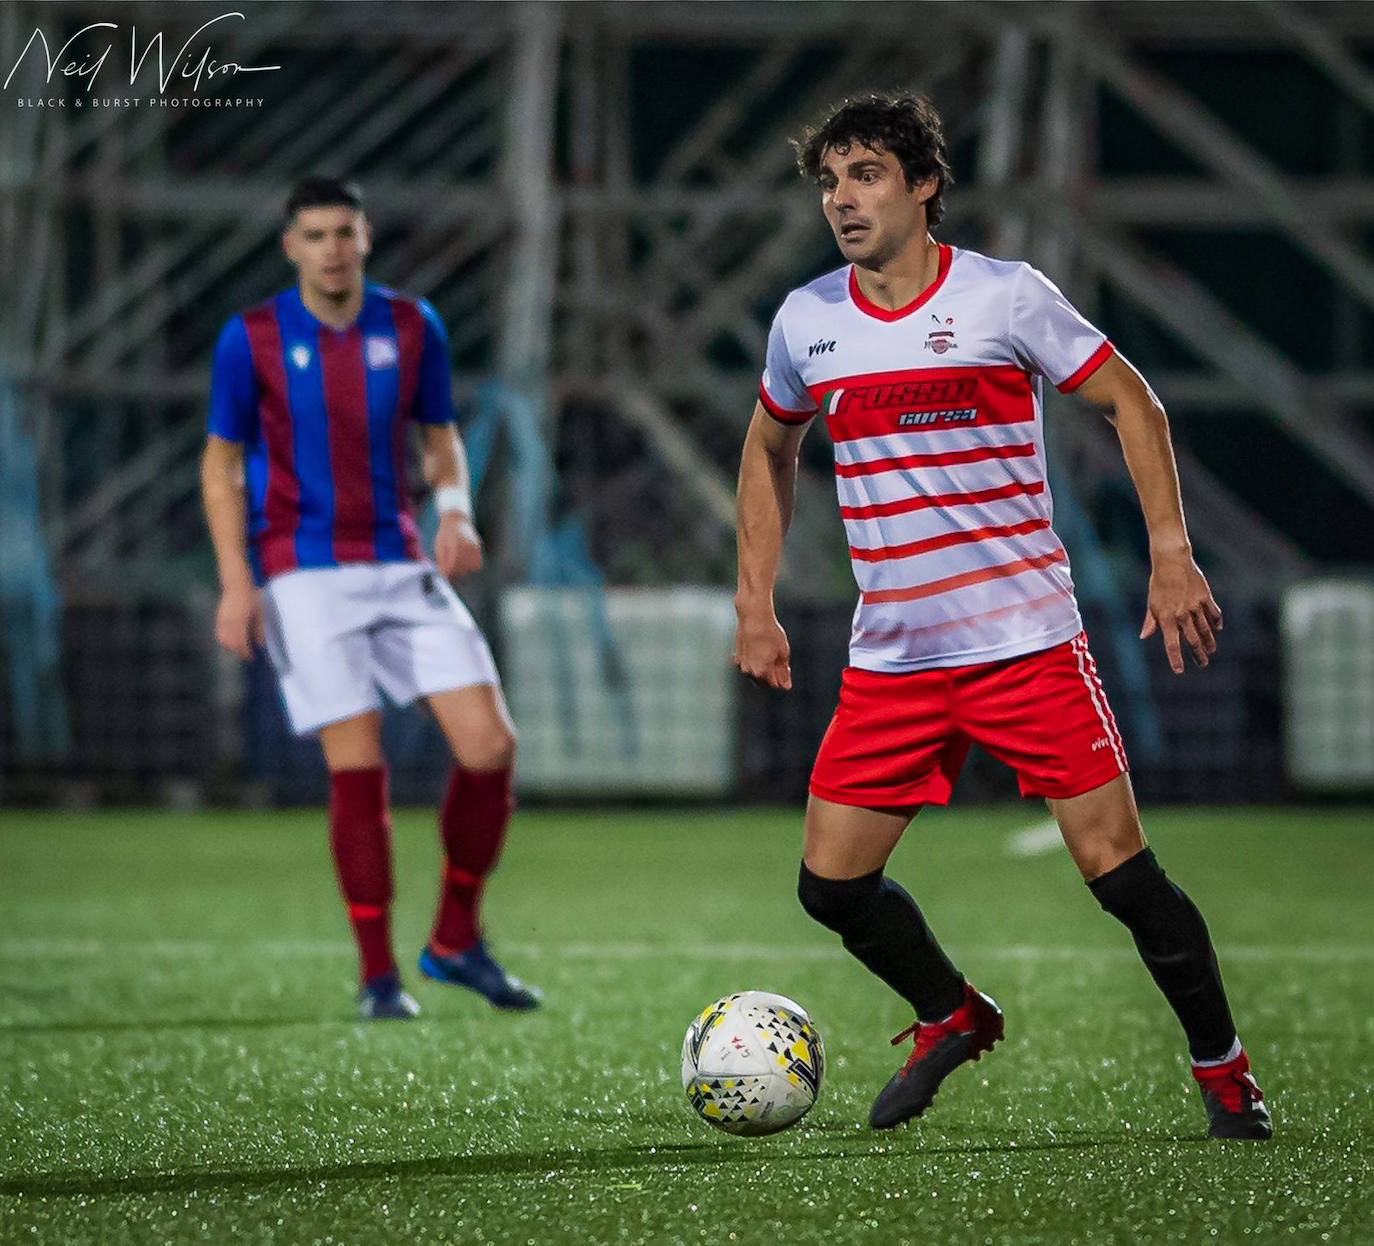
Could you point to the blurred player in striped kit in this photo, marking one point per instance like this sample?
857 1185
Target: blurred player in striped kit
304 483
926 362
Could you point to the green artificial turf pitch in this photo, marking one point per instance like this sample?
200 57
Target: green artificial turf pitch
180 1063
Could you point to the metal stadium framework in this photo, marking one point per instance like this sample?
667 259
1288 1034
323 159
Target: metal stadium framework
581 227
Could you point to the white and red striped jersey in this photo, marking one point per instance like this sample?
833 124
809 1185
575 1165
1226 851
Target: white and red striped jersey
935 412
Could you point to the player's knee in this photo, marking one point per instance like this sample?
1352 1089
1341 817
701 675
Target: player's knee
1165 923
1107 851
837 903
490 749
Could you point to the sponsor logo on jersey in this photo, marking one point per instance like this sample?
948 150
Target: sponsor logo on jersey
300 355
955 415
380 352
949 393
820 348
1101 744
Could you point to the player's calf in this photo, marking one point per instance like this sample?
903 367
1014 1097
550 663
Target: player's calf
883 928
1174 943
360 843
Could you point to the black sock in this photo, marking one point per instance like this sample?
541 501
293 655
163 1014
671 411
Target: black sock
1173 942
882 928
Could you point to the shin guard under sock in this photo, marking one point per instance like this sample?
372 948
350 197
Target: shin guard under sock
472 825
883 928
360 841
1173 942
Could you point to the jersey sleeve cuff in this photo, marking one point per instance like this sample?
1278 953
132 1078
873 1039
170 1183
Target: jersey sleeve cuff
782 414
1089 366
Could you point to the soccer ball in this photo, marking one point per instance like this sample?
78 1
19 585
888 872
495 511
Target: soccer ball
752 1063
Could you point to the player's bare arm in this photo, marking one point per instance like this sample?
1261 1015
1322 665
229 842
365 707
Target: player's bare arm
238 619
457 547
1180 605
763 511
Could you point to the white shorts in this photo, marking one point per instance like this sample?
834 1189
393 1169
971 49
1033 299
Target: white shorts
335 634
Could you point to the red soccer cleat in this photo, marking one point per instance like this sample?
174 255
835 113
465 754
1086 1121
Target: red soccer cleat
940 1048
1234 1102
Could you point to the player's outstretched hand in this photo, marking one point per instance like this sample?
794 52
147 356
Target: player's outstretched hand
457 547
238 621
762 652
1182 609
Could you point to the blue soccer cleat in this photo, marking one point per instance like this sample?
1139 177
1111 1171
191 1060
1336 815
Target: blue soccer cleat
382 999
476 970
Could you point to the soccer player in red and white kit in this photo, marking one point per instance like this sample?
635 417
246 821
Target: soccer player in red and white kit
304 483
926 362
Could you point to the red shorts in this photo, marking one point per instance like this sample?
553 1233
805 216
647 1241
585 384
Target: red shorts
899 740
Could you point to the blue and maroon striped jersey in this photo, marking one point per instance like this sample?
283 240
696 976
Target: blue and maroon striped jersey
321 413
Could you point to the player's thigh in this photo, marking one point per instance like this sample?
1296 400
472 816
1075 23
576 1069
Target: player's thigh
353 743
847 841
477 726
1101 828
316 623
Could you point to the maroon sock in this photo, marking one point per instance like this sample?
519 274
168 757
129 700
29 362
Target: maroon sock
360 839
472 825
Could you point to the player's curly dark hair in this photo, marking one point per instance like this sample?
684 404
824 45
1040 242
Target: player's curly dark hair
906 125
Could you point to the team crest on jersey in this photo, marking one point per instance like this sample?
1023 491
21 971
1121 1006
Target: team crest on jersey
380 352
942 339
300 355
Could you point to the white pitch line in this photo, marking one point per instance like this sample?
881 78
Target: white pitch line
702 953
1034 841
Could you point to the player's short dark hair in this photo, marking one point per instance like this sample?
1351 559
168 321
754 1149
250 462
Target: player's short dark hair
906 125
323 192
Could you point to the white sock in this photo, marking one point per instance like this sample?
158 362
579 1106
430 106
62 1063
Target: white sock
1226 1059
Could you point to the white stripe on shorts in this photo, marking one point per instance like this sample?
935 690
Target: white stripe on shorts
1099 699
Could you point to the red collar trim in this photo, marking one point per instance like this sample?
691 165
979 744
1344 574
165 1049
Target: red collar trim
870 308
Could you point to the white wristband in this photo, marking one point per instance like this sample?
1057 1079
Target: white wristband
453 499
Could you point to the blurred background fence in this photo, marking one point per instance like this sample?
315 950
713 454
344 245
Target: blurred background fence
600 201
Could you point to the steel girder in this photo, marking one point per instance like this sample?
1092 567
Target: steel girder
660 278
